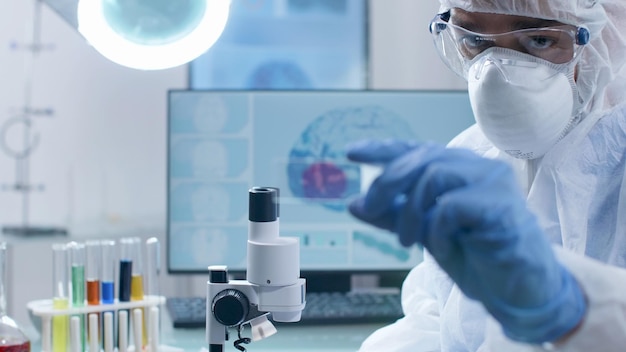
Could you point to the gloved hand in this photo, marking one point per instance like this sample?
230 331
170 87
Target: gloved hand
470 214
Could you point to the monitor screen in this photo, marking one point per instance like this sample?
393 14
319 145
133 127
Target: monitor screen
287 44
222 143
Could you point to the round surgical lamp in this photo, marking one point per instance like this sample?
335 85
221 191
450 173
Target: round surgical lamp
152 34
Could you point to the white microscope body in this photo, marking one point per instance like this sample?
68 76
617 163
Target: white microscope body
272 286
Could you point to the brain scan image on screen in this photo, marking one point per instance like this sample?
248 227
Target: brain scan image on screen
210 203
209 245
210 114
198 114
199 158
206 202
203 246
317 168
210 159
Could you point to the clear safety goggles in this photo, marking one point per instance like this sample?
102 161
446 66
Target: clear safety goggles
459 46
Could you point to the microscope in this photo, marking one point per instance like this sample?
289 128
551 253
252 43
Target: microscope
272 287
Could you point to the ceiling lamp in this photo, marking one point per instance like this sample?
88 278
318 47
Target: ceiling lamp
152 34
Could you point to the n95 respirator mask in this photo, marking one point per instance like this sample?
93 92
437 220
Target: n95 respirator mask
524 105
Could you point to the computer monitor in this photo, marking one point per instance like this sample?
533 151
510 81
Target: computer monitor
288 44
222 143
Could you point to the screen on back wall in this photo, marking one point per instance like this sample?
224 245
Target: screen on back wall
222 143
287 44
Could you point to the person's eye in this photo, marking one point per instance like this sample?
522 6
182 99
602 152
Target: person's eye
476 42
541 42
472 45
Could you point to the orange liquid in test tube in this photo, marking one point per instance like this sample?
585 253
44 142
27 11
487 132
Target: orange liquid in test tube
92 278
93 292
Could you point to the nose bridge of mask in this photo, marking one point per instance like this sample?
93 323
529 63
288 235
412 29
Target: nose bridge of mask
513 66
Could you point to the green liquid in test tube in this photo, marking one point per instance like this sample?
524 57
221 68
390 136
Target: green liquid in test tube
60 297
77 262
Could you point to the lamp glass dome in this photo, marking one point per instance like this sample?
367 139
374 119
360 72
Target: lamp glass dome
152 34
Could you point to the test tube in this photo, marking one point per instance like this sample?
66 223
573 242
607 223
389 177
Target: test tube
153 266
153 269
77 262
107 289
125 272
126 268
136 283
92 271
136 287
60 297
92 277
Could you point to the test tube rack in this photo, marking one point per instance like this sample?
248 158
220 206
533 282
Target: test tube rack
45 310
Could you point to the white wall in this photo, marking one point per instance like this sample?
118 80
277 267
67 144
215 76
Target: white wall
402 52
102 153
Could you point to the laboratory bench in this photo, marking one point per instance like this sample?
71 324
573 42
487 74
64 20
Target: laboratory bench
291 337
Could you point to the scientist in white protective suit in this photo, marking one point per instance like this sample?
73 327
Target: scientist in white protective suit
523 215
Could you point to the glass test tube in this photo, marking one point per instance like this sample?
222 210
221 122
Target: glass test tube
153 266
126 267
60 296
136 283
107 290
107 282
153 269
77 263
125 274
92 274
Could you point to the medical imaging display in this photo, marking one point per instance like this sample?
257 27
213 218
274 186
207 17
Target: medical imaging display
222 143
287 44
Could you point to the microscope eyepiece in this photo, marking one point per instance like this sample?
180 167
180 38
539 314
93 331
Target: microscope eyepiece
263 204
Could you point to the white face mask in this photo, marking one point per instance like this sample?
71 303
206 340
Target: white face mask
523 104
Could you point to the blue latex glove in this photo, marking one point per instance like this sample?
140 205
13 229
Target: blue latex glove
470 214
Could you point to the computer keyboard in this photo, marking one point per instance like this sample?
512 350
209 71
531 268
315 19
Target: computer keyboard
321 308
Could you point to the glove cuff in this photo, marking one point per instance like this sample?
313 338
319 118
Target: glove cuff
547 323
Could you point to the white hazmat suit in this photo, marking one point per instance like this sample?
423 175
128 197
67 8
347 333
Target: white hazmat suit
577 190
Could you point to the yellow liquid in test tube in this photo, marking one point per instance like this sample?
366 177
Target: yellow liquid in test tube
136 294
136 288
60 326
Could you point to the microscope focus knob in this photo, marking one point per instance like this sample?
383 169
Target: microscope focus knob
230 307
